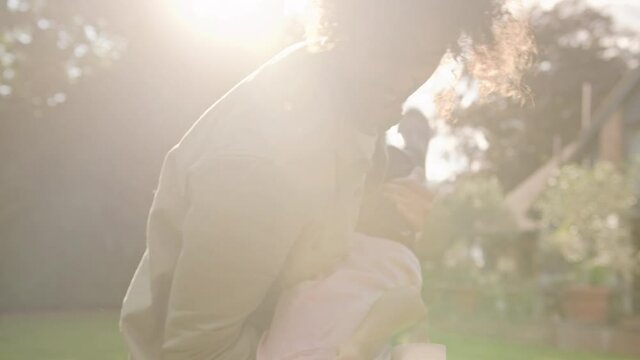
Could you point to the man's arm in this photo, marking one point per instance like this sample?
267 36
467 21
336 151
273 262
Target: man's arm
237 234
393 312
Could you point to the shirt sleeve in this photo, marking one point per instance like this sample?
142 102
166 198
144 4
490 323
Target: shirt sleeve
241 222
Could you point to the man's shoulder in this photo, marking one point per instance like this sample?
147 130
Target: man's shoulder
267 115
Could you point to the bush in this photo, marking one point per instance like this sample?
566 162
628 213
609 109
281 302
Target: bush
584 212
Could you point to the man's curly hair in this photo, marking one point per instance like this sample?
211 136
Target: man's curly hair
493 44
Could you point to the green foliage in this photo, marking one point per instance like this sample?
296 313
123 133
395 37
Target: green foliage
44 50
463 222
584 211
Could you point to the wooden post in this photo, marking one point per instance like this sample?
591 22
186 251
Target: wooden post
587 100
557 150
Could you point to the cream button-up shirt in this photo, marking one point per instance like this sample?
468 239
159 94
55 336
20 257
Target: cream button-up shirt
261 193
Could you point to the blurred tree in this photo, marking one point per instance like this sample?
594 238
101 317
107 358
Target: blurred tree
463 225
577 44
44 49
584 211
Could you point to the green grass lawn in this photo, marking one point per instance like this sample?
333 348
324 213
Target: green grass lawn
461 348
94 336
89 336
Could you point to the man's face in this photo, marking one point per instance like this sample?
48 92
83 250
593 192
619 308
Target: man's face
386 82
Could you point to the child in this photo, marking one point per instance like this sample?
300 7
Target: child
352 313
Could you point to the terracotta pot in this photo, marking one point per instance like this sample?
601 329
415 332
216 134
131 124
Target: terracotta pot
586 304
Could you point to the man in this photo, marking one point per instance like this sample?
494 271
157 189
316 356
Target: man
263 192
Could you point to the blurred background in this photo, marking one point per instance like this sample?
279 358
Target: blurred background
537 222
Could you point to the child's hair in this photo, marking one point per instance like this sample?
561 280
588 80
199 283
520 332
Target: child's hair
495 45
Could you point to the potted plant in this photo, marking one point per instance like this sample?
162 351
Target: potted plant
583 215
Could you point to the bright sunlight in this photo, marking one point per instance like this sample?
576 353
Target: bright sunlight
251 22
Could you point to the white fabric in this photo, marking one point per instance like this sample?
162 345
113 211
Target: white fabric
315 317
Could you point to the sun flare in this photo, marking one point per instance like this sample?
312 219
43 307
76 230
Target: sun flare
247 21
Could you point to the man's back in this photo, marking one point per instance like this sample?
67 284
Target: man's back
254 176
